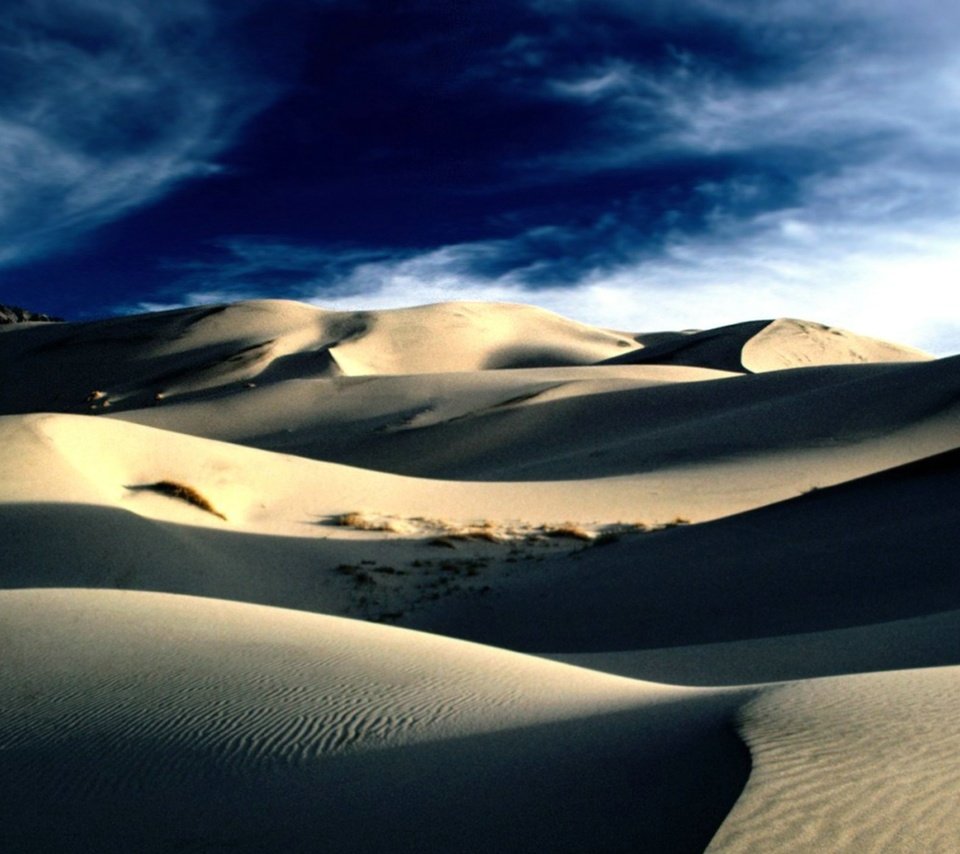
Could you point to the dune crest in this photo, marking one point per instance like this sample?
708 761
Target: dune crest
787 343
343 732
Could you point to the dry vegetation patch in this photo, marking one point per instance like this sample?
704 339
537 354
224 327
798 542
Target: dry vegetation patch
449 534
371 522
481 556
183 492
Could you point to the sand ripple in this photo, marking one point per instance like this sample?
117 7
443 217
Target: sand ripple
253 688
856 763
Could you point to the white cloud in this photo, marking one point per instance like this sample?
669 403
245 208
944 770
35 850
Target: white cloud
105 106
898 285
604 81
848 75
896 282
861 123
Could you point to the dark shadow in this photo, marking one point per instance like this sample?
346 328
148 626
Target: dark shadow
719 348
626 432
531 357
315 363
877 549
658 779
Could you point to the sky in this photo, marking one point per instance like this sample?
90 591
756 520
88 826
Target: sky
638 164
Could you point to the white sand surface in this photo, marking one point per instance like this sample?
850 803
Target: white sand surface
874 550
755 507
852 763
789 343
138 721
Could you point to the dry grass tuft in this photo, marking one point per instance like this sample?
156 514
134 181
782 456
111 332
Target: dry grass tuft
364 522
353 520
173 489
569 530
449 534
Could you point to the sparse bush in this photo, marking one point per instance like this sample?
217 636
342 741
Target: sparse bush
181 491
365 522
569 530
484 533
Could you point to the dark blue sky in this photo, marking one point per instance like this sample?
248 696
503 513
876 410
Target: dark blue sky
641 164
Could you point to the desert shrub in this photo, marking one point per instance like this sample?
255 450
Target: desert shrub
181 491
365 522
570 530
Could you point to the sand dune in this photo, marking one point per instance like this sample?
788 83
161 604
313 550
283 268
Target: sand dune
280 544
768 345
856 763
543 425
134 359
755 507
177 723
877 549
797 343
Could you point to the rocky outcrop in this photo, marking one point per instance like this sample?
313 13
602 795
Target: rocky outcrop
14 314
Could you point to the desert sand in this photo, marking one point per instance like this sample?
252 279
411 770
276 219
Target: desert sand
475 577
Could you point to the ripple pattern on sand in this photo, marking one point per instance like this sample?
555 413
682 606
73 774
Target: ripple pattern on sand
854 763
244 687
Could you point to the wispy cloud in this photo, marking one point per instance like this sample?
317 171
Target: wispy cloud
813 76
894 283
106 105
791 158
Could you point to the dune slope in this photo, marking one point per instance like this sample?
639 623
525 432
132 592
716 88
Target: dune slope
177 723
133 360
587 422
855 763
878 549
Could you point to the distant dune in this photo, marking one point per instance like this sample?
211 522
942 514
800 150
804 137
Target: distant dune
475 577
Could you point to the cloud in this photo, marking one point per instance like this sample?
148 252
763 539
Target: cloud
892 284
729 160
105 107
775 79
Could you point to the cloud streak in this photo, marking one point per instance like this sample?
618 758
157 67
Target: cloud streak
105 107
815 76
648 165
777 265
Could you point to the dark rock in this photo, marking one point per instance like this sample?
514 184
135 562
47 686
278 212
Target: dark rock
14 314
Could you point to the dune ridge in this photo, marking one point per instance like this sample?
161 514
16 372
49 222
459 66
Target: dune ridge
138 696
853 763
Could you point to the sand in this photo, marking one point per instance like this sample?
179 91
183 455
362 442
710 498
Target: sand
475 577
143 721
